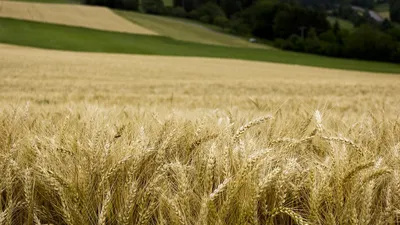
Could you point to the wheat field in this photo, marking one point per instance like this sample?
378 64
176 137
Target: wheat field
91 138
93 17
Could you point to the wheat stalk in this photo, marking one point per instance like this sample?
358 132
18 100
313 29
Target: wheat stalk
104 209
249 125
295 216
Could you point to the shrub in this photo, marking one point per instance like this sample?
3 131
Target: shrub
328 36
211 10
194 14
312 45
330 49
238 26
394 10
396 54
279 43
221 22
297 42
130 4
167 11
395 33
153 6
288 21
369 43
119 4
179 12
205 19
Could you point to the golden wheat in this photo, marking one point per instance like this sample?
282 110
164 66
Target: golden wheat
97 139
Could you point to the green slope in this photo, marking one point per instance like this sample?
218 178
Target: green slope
343 23
60 37
186 30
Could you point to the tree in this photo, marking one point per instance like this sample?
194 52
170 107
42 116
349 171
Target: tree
386 25
296 20
394 10
221 21
311 44
395 33
369 43
209 10
336 27
130 4
188 5
119 4
328 36
153 6
238 26
230 7
260 17
364 3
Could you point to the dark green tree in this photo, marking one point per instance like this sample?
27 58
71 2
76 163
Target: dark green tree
394 10
119 4
386 25
153 6
367 42
336 27
364 3
130 4
209 10
231 7
298 20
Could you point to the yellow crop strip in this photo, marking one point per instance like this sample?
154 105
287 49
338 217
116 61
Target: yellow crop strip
73 15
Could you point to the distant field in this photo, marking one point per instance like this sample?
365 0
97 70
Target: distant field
63 76
382 7
168 2
343 23
75 15
49 1
385 15
383 10
52 36
186 30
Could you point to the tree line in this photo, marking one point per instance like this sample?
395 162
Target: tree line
296 25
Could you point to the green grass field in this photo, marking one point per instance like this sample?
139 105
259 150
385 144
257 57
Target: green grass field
343 23
50 36
186 30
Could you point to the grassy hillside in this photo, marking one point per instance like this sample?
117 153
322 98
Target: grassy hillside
52 36
186 30
343 23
